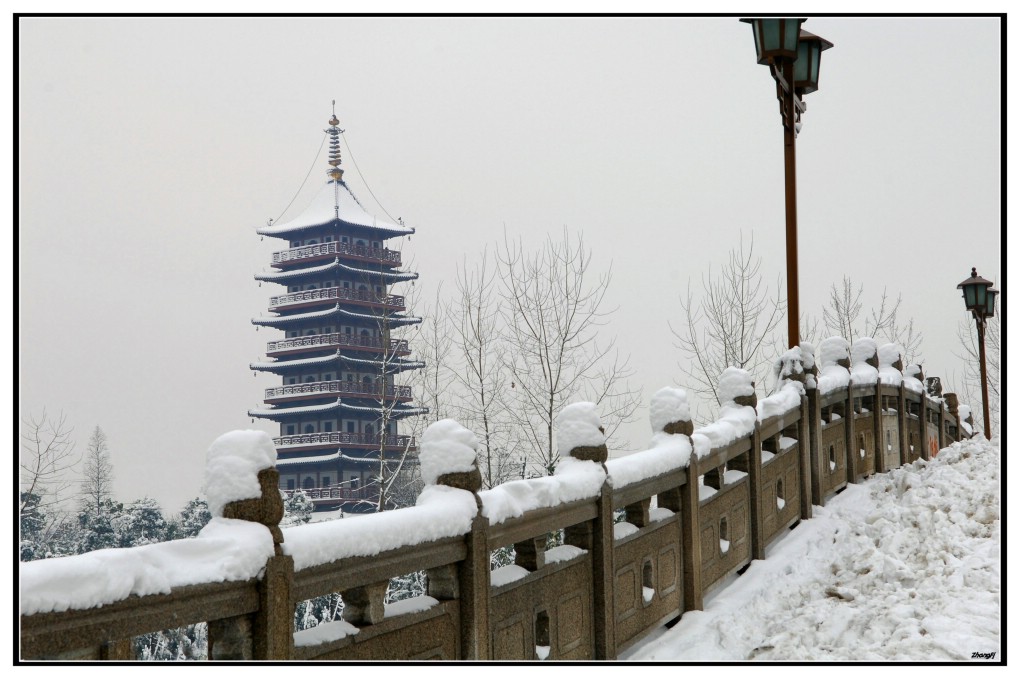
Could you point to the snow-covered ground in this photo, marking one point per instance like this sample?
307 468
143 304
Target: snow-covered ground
903 567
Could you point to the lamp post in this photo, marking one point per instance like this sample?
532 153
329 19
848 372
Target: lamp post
979 297
793 56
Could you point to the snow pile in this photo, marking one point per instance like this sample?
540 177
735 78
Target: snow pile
446 447
888 354
831 375
734 382
573 480
232 467
578 425
441 512
324 632
910 378
788 363
734 422
226 550
783 401
666 453
668 405
904 567
862 372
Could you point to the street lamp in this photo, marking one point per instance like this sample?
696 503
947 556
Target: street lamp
979 297
794 58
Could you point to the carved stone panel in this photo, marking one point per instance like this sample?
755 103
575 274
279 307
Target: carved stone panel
781 492
832 458
725 541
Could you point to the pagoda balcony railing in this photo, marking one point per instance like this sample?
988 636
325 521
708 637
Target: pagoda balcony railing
381 255
337 387
367 296
342 339
331 493
346 439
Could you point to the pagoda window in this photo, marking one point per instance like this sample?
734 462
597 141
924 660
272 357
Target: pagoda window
290 430
312 241
309 428
327 376
310 331
354 482
348 330
309 483
309 378
350 377
347 285
366 380
291 380
292 333
293 288
290 484
327 426
362 287
345 239
369 429
365 333
325 481
378 290
375 244
350 427
328 329
329 239
313 286
295 243
328 284
359 242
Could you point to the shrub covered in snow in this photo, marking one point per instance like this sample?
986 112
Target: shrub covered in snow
578 425
668 405
446 448
232 467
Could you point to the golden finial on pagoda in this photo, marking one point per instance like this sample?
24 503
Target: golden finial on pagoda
334 146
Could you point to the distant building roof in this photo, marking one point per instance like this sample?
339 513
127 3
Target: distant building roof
335 203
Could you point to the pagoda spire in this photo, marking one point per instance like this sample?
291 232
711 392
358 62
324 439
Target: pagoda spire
334 133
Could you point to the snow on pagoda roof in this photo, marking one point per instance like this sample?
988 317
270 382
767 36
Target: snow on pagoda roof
334 265
395 362
280 321
308 459
335 203
283 411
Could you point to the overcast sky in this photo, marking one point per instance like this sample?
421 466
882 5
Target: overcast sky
151 149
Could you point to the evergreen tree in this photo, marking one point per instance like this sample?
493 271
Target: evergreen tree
297 509
97 477
141 523
193 518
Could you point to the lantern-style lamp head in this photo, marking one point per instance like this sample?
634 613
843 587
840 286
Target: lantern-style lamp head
975 294
809 58
775 38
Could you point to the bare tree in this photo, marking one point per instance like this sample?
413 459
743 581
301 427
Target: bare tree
483 380
552 310
47 453
842 316
434 345
731 325
97 477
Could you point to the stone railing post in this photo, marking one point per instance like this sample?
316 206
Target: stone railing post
848 437
471 581
684 501
876 413
902 420
754 479
953 408
814 445
597 537
804 428
267 634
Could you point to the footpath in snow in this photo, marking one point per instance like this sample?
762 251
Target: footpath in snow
903 567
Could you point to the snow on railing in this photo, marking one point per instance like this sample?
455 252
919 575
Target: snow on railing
337 387
336 339
336 293
377 254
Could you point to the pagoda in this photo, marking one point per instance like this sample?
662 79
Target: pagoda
339 402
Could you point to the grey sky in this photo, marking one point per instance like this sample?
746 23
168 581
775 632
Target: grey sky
151 149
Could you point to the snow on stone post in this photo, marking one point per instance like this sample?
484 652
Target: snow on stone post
448 457
953 408
242 483
793 366
581 442
866 372
670 413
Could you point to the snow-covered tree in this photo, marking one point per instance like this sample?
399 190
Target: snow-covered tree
193 518
297 509
552 308
97 477
732 324
141 523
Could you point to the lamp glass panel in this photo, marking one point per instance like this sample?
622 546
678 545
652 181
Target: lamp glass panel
791 30
757 38
801 68
981 290
816 57
969 293
770 34
990 303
